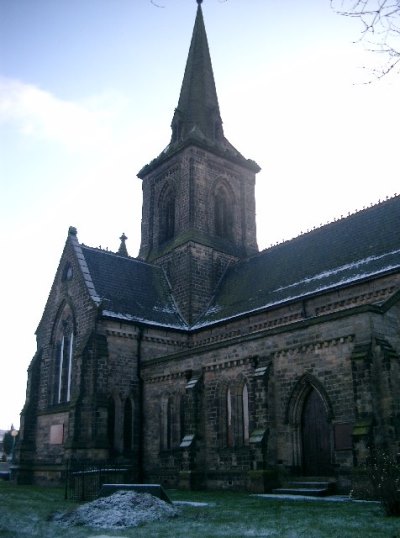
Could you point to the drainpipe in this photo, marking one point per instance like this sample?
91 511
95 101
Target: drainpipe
140 457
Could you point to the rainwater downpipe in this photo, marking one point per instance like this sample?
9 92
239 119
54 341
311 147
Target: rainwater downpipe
140 451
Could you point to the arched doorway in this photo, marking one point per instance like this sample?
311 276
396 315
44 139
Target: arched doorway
315 436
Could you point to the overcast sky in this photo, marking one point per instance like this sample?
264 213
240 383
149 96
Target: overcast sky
87 93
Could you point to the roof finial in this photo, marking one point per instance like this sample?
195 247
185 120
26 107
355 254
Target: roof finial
122 251
199 1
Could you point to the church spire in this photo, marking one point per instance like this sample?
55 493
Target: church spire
197 114
197 119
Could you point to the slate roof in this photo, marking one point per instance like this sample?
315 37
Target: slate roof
131 289
361 246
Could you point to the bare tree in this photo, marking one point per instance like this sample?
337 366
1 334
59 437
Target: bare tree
380 21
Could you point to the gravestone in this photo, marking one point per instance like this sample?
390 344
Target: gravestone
153 489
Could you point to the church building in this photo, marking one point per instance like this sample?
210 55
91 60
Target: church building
204 363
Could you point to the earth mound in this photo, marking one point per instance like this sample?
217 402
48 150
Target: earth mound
121 510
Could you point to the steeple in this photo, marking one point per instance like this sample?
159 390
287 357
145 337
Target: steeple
198 213
197 119
197 114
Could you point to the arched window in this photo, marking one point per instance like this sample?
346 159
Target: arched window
128 425
63 358
222 213
165 426
182 429
245 415
171 422
234 415
229 418
111 423
167 217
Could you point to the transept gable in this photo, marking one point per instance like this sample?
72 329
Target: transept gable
71 279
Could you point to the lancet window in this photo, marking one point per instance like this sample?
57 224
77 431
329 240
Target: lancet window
222 213
235 429
128 425
167 216
63 358
171 421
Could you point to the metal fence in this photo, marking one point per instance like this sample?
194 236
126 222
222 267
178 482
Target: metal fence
83 479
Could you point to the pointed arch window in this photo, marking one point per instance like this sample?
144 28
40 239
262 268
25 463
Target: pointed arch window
245 415
171 422
222 213
167 216
63 360
128 425
234 422
229 418
111 423
165 424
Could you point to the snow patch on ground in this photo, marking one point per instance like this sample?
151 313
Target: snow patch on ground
123 509
192 503
288 497
328 498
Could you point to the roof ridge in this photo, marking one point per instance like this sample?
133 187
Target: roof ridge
328 223
101 250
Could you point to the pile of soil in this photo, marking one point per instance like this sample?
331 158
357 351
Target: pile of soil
121 510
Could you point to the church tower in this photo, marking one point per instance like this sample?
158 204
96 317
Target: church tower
198 211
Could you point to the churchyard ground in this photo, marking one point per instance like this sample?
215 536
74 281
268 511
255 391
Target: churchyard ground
25 511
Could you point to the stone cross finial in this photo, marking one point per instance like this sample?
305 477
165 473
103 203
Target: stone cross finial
122 251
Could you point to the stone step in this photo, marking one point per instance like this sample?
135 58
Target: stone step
307 492
311 485
309 488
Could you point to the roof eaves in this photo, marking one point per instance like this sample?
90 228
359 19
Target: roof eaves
287 300
172 149
142 321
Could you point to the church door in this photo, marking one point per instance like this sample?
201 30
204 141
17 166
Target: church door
316 438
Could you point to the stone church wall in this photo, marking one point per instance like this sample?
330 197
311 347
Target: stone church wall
290 362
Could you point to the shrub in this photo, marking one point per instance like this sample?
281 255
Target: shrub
384 474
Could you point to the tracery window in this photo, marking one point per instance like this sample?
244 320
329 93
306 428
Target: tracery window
64 352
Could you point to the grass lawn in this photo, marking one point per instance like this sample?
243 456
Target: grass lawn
24 512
